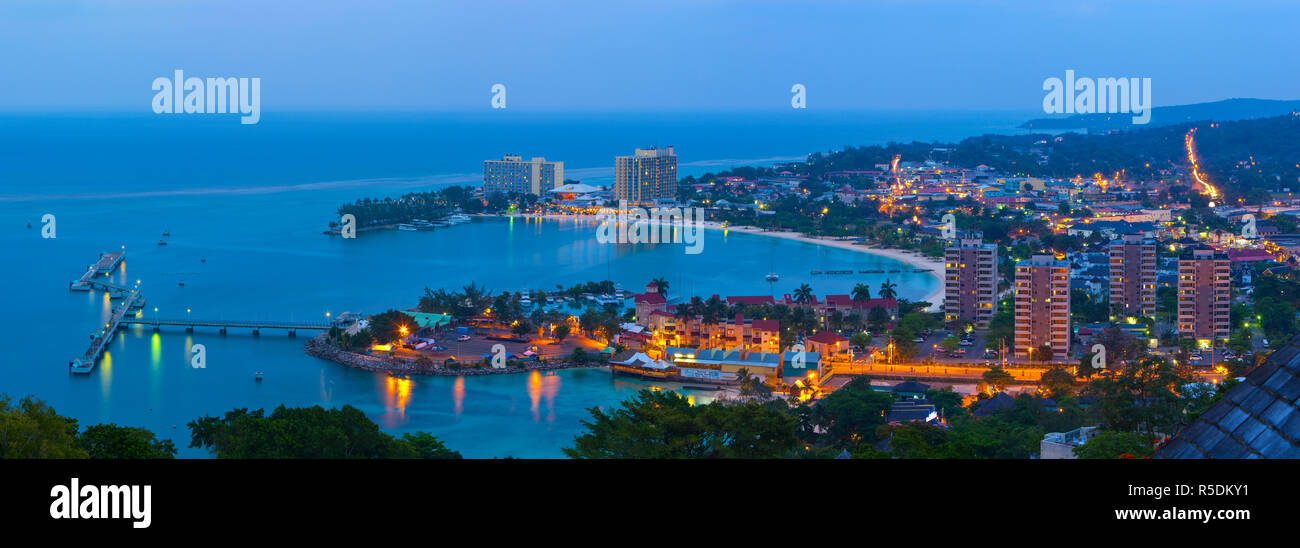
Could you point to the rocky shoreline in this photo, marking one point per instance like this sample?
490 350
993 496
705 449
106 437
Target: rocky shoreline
318 347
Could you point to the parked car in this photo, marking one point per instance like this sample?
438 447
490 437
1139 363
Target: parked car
463 338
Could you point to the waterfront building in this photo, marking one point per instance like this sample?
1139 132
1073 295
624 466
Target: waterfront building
1042 306
1204 295
1133 276
737 332
970 280
514 174
647 176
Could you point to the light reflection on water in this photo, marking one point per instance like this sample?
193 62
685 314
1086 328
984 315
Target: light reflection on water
458 396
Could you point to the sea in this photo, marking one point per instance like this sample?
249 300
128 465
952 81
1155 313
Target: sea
246 205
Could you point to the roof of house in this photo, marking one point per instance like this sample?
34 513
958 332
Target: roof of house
766 325
1258 418
910 386
649 298
751 299
827 337
998 402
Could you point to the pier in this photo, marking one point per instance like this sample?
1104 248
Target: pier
99 340
132 301
105 265
256 325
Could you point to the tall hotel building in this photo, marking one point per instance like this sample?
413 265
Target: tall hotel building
649 175
1042 306
1133 276
970 280
1204 295
514 174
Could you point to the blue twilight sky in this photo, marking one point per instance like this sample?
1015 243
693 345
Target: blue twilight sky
645 55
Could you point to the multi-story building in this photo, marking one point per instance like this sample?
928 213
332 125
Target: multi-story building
970 280
647 176
1133 276
1204 295
514 174
1042 306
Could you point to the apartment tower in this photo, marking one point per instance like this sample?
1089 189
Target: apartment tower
1133 276
1042 306
1204 295
970 279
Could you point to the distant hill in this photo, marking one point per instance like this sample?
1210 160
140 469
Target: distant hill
1226 110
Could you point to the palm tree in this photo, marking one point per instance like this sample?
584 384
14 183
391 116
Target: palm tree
887 290
803 295
661 285
861 292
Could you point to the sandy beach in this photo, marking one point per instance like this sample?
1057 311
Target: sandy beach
916 260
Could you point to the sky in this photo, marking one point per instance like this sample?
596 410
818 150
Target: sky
611 55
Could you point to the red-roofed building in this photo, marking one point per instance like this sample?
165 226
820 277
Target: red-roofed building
1249 255
827 343
750 300
647 303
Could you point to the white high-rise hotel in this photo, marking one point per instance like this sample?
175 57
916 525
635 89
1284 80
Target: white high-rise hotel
649 175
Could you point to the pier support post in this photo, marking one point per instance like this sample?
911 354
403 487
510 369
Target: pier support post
293 332
257 332
223 331
189 329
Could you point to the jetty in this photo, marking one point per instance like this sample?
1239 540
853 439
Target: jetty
222 325
100 339
105 265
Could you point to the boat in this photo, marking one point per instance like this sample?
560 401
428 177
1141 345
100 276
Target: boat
771 277
203 260
458 218
162 242
181 283
406 227
167 233
257 376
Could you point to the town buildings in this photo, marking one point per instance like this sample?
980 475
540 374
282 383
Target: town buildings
1042 285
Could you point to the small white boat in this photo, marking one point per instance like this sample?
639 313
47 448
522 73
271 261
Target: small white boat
407 228
771 277
458 218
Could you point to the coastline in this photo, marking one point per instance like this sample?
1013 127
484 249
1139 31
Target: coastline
936 266
317 347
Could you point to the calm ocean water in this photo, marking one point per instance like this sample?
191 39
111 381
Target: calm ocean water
252 201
